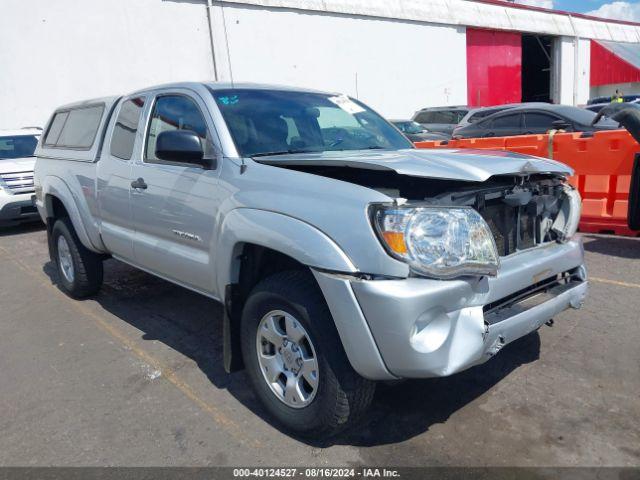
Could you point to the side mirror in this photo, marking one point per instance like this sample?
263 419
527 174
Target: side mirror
561 125
180 146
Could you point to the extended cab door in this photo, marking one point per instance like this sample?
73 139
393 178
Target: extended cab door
174 205
123 142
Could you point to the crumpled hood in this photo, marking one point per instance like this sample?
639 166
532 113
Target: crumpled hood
17 165
465 165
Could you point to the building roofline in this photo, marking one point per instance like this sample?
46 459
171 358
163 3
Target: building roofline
504 3
487 14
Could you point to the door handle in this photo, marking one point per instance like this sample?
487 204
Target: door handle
139 184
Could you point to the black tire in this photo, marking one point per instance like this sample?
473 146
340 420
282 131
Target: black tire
342 396
87 265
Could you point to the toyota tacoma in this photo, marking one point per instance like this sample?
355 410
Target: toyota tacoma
343 256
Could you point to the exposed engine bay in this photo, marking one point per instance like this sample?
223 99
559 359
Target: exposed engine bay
522 211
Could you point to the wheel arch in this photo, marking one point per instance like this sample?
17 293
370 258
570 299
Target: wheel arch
254 244
59 202
284 234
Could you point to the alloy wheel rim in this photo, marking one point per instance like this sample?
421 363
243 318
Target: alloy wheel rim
287 359
65 260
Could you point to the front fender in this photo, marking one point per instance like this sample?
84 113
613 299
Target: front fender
287 235
87 232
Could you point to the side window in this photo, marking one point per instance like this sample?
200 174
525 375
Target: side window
423 117
507 121
175 112
445 116
460 114
124 131
80 128
55 128
539 121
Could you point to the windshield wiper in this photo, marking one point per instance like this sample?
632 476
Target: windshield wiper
283 152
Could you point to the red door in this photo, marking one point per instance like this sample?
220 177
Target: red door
494 67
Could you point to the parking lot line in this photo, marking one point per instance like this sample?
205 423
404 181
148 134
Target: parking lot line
614 282
169 374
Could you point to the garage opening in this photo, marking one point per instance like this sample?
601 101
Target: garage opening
536 68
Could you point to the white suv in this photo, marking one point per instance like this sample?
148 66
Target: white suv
16 175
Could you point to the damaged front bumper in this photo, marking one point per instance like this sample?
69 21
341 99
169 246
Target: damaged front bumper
419 328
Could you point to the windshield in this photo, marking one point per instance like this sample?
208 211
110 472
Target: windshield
19 146
264 122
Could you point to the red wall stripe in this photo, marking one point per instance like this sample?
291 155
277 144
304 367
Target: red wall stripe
494 67
607 68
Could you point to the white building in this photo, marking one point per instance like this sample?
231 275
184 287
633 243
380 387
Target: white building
396 55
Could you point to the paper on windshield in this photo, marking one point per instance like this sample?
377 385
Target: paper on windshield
346 104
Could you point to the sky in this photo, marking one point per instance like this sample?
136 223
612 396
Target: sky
617 9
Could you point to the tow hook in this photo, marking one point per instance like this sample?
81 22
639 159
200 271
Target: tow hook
549 323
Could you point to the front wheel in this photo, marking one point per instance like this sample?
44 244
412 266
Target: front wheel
295 359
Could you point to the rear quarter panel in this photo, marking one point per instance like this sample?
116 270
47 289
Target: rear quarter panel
74 184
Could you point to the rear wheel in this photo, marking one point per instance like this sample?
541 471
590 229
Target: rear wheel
79 270
295 359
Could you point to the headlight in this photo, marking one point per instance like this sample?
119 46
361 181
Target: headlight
566 223
441 242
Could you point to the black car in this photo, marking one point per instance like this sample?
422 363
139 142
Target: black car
417 133
527 120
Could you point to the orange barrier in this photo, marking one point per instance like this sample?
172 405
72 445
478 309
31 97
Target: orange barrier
603 165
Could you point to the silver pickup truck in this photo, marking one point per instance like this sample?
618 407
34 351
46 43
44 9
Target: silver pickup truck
343 255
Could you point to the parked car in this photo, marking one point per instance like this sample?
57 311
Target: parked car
417 133
476 114
16 175
596 107
440 119
526 120
607 99
342 255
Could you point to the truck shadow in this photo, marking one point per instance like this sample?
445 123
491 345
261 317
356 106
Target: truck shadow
21 228
192 325
410 408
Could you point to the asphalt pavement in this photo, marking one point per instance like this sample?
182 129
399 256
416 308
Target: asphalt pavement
134 377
